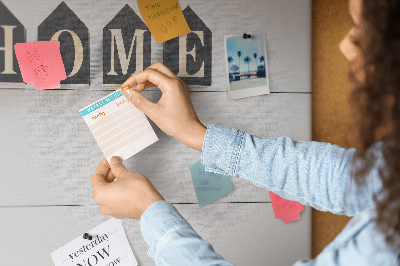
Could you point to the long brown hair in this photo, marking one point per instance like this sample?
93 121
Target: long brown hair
375 102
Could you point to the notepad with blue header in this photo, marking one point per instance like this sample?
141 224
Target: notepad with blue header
118 126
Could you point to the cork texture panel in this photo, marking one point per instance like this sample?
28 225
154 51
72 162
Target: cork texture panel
331 89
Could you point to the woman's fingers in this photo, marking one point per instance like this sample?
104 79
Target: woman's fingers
160 67
140 102
117 167
147 78
174 113
103 172
110 177
159 80
99 177
143 86
157 66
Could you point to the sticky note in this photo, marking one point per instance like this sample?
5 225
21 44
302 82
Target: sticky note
108 246
41 64
209 186
164 18
288 211
118 126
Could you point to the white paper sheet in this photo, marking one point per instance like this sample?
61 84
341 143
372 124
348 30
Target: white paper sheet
108 247
118 126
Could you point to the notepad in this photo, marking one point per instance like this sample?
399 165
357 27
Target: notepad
118 126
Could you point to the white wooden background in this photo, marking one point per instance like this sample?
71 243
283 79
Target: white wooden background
47 153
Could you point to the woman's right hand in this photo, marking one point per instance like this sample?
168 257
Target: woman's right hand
173 113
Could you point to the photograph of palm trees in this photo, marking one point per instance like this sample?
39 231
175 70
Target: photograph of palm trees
246 65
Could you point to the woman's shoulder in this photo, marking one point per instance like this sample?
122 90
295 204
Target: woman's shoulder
366 242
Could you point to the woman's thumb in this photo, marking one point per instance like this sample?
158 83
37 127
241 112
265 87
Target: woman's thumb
138 100
117 167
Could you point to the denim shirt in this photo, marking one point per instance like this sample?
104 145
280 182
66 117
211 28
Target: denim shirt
312 173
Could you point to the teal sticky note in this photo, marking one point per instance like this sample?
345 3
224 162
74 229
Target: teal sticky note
209 186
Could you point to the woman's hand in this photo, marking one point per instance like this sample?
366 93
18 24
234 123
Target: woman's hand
174 113
127 197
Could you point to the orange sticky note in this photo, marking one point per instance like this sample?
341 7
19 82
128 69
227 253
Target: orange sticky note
41 64
164 18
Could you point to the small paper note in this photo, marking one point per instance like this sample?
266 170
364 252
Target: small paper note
164 18
209 186
41 64
118 126
288 211
108 246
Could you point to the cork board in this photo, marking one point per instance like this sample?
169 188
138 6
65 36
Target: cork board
331 89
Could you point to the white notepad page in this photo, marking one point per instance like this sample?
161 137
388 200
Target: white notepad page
118 126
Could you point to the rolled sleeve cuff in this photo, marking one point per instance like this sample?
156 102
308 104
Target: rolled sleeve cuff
222 147
158 219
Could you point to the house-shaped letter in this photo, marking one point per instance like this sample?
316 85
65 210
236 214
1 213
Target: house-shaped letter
63 25
126 47
189 55
11 32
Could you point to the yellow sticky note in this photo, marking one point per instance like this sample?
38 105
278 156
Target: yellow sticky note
164 18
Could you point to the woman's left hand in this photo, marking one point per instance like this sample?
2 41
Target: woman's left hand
127 197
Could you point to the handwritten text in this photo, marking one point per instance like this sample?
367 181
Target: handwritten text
100 114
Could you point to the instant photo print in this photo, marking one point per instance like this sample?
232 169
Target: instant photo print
246 64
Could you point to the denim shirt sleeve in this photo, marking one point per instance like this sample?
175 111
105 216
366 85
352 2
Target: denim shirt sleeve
312 173
172 241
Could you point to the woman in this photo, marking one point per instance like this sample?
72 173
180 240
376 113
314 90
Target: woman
362 182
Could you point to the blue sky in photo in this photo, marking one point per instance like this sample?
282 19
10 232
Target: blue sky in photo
256 44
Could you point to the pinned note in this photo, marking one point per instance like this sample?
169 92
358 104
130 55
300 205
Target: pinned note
164 18
107 244
41 64
209 186
288 211
118 126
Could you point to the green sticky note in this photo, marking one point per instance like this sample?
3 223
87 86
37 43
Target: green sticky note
209 186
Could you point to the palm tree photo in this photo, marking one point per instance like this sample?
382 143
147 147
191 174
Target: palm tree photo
255 60
262 59
230 60
239 54
247 60
240 51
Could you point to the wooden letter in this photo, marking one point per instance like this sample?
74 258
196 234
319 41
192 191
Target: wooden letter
11 32
63 25
189 56
121 35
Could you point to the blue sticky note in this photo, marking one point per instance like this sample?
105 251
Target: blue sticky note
209 186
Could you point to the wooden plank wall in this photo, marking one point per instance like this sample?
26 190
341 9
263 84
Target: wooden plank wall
331 89
48 155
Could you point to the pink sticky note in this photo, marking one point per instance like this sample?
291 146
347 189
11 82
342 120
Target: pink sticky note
284 209
41 64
